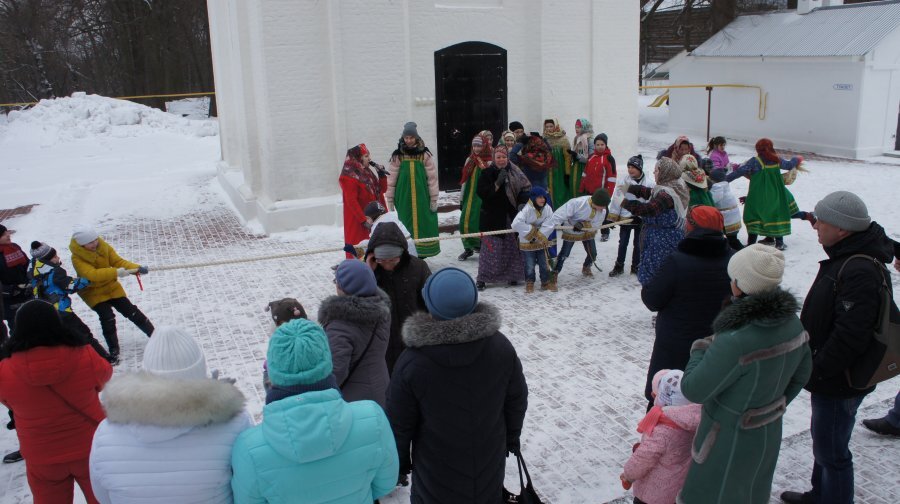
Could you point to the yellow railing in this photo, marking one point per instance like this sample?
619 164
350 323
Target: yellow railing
763 96
174 95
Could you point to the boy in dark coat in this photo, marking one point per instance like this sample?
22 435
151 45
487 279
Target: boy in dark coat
456 362
52 284
401 276
688 291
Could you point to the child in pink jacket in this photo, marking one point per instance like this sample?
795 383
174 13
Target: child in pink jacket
660 462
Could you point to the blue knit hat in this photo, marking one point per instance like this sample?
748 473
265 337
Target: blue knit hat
450 293
356 278
298 354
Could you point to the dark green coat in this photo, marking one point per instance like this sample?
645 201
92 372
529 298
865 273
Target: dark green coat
744 375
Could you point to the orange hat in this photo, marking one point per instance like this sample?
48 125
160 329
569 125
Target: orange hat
704 217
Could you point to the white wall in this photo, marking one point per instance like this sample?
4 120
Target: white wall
881 101
812 102
299 82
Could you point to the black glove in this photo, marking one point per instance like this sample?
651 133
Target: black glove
382 172
403 480
578 226
501 177
349 249
742 199
513 446
573 154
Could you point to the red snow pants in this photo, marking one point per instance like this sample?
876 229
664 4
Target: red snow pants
54 483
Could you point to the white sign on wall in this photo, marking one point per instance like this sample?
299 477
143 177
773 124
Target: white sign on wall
843 87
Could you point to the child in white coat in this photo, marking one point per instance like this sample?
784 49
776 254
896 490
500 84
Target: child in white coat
532 241
727 203
584 215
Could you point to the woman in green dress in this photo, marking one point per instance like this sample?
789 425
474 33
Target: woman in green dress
413 190
558 179
469 203
583 149
769 205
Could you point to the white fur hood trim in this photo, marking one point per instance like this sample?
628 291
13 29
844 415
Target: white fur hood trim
147 399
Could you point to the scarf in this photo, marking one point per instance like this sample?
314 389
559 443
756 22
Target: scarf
556 136
670 182
279 392
353 168
416 150
655 417
536 155
584 140
480 159
674 148
766 150
516 181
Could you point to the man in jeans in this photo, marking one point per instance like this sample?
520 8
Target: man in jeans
840 316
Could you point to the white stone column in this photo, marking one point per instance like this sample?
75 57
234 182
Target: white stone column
614 77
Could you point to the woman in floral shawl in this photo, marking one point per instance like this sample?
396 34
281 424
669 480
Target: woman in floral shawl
662 216
558 183
584 148
535 159
470 204
502 188
362 182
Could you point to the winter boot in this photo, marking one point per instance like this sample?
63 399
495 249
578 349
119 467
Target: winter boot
634 269
796 498
617 270
604 237
881 426
767 241
480 286
586 271
551 285
467 253
513 283
529 287
15 456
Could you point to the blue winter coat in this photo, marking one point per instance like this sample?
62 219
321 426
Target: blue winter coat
316 448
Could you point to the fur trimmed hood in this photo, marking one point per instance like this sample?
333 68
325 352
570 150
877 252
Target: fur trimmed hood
356 310
768 308
420 330
146 399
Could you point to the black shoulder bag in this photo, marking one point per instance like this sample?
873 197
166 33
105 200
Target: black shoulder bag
528 495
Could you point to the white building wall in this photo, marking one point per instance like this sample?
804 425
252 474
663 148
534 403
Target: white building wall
299 82
881 102
813 103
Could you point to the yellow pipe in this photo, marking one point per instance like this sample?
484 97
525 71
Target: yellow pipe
175 95
763 97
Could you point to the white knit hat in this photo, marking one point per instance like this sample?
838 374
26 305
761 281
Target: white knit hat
667 385
84 235
173 353
757 268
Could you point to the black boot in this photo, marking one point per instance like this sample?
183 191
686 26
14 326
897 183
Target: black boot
796 498
480 286
881 426
467 253
15 456
617 270
634 269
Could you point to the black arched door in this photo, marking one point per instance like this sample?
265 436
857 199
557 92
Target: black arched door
470 96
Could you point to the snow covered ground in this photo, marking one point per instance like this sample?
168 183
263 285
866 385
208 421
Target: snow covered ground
146 180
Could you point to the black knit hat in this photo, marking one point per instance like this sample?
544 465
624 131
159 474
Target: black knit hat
42 252
601 198
602 136
374 210
516 125
637 162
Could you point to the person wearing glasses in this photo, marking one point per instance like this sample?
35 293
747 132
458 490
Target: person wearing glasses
401 276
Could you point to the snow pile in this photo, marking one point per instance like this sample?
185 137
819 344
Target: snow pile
82 115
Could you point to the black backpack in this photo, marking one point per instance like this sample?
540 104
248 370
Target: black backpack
881 360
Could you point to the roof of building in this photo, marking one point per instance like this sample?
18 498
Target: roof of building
845 30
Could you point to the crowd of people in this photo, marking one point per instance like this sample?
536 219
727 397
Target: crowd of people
405 371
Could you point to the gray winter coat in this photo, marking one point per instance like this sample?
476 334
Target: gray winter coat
350 323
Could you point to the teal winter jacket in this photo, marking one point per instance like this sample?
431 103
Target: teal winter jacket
316 448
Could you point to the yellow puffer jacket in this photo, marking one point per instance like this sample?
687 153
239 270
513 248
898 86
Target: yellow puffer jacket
100 269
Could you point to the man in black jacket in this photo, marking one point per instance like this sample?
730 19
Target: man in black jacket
840 315
401 276
457 397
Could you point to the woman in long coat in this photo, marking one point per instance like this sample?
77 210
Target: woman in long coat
662 216
745 375
502 188
361 183
470 204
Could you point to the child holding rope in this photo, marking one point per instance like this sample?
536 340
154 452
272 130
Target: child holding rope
585 215
532 242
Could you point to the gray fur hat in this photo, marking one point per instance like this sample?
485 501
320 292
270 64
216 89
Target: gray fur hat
844 210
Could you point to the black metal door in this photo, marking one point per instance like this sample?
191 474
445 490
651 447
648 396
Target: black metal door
470 96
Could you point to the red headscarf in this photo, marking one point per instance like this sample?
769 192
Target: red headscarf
766 151
704 217
480 156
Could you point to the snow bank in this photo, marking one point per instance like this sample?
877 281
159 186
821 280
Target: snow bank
83 115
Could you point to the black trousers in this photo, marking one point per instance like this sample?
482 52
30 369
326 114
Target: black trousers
108 320
77 326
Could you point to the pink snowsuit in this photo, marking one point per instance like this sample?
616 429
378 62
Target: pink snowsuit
660 464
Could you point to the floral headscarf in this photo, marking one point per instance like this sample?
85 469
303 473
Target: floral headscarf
691 172
555 135
516 183
353 168
480 156
669 181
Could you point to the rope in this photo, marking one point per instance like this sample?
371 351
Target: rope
224 262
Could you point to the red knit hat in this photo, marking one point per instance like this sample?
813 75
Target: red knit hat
704 217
